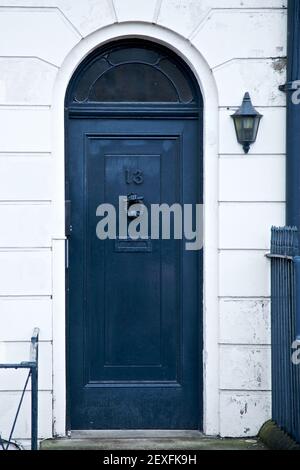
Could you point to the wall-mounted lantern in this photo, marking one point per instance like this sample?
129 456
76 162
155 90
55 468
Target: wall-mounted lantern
246 121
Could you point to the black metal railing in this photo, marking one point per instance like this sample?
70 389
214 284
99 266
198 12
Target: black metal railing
32 366
285 324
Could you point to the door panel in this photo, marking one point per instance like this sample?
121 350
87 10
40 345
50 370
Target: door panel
134 306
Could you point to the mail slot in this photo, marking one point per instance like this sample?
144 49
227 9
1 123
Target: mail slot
126 245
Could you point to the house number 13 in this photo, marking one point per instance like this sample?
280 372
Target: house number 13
136 176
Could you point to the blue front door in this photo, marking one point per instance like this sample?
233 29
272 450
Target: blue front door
134 307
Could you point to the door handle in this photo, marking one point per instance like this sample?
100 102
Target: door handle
68 230
68 225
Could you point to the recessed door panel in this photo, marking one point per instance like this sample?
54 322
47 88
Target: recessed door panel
138 335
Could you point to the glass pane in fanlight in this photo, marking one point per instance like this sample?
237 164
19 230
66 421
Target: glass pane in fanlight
179 79
133 83
133 54
83 86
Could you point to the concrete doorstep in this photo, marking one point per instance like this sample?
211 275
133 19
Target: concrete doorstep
150 440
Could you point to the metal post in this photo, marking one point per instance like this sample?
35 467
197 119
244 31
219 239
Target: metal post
34 356
34 407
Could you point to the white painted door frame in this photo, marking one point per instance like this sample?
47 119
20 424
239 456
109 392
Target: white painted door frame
199 66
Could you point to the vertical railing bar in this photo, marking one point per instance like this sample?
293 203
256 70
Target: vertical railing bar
282 328
286 321
34 389
295 368
286 335
297 264
18 410
34 407
290 317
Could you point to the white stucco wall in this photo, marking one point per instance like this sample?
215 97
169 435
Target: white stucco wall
242 44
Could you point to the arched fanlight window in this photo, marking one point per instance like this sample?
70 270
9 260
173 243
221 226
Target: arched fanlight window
133 72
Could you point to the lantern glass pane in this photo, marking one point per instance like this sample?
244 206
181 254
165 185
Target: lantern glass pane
247 129
238 124
248 123
255 129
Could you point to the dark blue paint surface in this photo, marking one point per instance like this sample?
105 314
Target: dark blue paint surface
134 316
